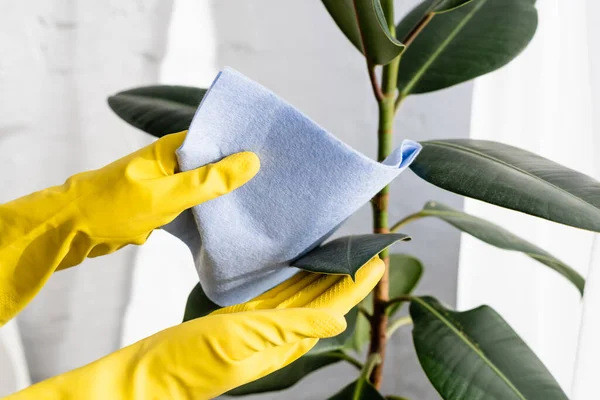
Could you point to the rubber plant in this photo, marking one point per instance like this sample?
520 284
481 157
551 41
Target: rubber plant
466 355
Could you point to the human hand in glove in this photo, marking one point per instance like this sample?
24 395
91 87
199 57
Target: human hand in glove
97 212
205 357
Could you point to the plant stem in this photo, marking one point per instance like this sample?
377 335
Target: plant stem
373 78
380 202
397 324
372 362
364 312
343 356
399 299
407 40
410 37
406 220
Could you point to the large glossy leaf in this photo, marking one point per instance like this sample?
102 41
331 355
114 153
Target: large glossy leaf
405 272
347 254
198 304
463 44
513 178
476 355
287 376
158 110
364 24
360 389
500 237
442 6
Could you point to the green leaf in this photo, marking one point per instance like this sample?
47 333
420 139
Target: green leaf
360 389
158 110
345 255
457 46
500 237
198 304
476 355
405 273
339 341
442 6
513 178
287 376
364 24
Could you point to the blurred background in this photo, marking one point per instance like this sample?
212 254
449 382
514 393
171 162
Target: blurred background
60 59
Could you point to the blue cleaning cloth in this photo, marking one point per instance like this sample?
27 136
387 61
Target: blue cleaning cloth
308 184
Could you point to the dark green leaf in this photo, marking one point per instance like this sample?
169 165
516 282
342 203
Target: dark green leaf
347 254
158 110
457 46
500 237
364 24
360 389
405 273
287 376
198 304
476 355
442 6
339 341
513 178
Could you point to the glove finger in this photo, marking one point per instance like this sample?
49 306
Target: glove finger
307 289
274 297
190 188
235 337
339 292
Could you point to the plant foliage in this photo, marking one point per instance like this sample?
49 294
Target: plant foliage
466 355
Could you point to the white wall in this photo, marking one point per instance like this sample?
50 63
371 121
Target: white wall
60 60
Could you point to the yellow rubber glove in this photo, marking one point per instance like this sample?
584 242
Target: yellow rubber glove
205 357
97 212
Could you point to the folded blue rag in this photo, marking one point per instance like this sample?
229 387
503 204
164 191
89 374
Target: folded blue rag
308 184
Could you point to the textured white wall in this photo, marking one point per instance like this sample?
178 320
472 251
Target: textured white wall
60 60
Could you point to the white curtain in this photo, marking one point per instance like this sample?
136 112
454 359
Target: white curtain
544 102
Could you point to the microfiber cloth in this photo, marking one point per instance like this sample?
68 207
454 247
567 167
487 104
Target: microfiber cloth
309 183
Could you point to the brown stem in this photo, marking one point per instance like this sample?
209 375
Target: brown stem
379 322
379 319
373 78
410 37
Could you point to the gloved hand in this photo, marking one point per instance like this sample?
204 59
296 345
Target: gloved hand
97 212
205 357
